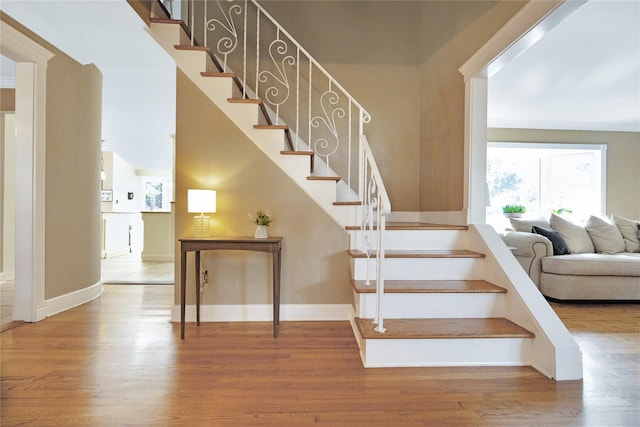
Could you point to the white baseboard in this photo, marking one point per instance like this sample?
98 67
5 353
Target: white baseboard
157 257
264 312
72 299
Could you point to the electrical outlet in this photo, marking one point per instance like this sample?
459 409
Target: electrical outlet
204 278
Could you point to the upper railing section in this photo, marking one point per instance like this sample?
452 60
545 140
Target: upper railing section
295 89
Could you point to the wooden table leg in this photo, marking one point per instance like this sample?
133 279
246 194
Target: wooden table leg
183 289
198 288
276 291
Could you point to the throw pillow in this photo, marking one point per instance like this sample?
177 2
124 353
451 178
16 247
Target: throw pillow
521 224
605 235
630 231
574 235
559 245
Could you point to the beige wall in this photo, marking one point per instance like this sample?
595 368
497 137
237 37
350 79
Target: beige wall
72 175
451 32
623 161
74 130
212 153
371 49
400 60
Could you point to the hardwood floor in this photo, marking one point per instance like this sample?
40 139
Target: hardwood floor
118 361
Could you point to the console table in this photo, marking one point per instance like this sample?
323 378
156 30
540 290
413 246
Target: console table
270 244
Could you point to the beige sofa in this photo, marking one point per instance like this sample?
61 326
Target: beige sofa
587 273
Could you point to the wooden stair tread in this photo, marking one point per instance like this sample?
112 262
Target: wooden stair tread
429 286
450 253
298 153
443 329
217 74
165 21
323 178
245 101
283 127
351 203
189 47
397 225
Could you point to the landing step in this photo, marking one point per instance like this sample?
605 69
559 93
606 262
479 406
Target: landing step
455 253
442 329
413 226
429 286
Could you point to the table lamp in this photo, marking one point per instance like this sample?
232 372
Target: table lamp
201 201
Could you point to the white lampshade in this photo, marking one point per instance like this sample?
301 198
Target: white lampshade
201 201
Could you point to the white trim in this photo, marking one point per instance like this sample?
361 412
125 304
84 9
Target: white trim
31 66
527 27
264 312
73 299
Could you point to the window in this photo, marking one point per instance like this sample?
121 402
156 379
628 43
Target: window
545 178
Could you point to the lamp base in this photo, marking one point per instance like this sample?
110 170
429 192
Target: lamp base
201 226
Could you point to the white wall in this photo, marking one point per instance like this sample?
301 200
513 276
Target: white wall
122 226
7 222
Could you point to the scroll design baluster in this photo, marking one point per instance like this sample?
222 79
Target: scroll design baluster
330 114
278 52
226 44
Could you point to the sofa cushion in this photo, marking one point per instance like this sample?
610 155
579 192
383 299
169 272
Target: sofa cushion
526 224
623 264
630 231
574 235
605 235
559 245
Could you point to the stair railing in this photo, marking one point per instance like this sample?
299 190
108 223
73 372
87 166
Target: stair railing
375 208
296 91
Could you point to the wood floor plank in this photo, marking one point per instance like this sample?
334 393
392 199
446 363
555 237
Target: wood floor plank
119 361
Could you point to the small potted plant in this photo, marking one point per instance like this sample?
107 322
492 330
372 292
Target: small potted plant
262 219
513 211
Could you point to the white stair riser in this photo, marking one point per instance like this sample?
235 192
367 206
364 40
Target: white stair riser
432 305
446 352
414 239
420 268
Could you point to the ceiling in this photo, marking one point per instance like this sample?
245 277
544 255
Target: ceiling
138 75
584 74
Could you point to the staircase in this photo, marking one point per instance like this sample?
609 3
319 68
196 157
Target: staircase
454 295
438 310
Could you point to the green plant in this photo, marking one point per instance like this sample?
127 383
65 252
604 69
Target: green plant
513 209
561 211
261 217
